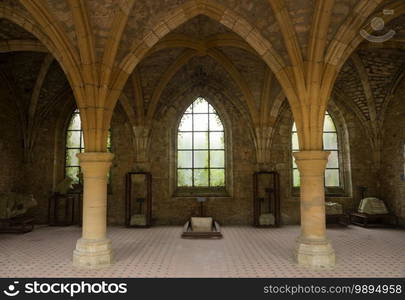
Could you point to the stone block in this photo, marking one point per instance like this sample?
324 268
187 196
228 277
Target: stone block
201 224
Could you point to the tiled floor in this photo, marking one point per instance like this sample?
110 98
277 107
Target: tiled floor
243 252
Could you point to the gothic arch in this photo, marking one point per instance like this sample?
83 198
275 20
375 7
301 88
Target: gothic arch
217 12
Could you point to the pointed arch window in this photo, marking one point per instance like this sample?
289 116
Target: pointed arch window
201 147
75 145
331 144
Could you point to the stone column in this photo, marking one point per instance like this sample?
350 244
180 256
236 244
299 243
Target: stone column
93 249
313 249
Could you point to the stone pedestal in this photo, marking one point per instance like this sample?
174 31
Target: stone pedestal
313 248
314 254
94 253
94 250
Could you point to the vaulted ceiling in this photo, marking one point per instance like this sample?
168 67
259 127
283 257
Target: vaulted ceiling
255 50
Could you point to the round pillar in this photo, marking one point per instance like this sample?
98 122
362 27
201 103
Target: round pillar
313 248
93 249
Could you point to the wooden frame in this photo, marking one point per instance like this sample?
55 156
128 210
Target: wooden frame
273 204
147 199
69 213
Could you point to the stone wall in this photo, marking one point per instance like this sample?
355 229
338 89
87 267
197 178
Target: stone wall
47 167
235 208
392 158
124 151
357 161
11 144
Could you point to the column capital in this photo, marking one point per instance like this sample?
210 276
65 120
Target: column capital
311 155
95 157
95 163
311 162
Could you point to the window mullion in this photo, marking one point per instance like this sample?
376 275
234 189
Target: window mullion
81 146
334 148
192 145
204 152
209 149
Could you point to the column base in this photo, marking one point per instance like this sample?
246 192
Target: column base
92 254
314 253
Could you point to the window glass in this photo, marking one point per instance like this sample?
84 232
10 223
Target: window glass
330 143
75 145
200 147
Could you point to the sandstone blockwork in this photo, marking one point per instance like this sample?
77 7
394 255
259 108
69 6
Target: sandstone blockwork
133 67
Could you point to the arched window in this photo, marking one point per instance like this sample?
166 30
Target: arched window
330 143
75 145
200 147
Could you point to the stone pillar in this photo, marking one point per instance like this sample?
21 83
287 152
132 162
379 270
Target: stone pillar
313 249
93 249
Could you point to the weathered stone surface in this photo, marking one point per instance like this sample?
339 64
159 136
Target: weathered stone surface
11 152
393 156
314 254
10 31
93 254
349 83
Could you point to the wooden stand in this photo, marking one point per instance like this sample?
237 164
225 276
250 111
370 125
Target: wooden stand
367 220
372 220
138 198
271 191
188 232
